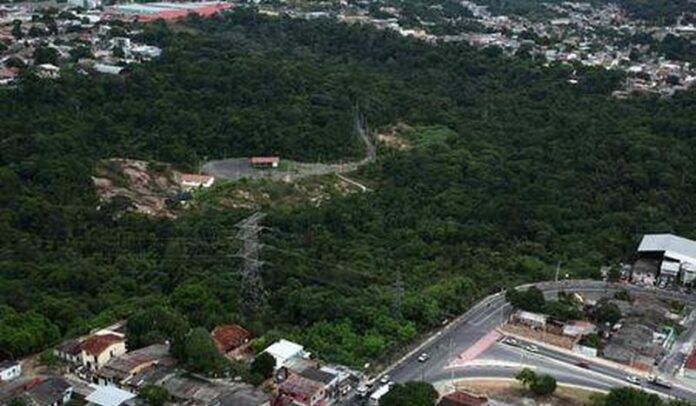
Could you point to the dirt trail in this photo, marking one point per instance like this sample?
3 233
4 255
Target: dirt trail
239 168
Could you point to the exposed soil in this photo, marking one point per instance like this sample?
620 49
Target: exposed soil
137 186
514 393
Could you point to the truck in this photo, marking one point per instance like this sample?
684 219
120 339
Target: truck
378 393
657 381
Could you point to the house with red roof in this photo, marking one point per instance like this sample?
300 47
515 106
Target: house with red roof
230 337
690 366
97 350
265 161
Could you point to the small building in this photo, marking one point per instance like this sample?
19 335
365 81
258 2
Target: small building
97 350
284 350
461 398
677 255
265 161
69 351
303 391
108 396
326 378
119 369
534 320
578 328
10 370
230 337
191 181
51 391
690 366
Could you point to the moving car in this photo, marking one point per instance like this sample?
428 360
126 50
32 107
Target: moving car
511 341
423 357
532 348
583 364
633 379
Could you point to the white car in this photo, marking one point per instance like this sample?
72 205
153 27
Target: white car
633 379
384 380
532 348
423 357
510 341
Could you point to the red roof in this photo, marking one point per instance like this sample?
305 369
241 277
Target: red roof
264 159
691 361
230 336
463 399
95 345
9 72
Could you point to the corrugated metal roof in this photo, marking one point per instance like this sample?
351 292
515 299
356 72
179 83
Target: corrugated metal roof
675 247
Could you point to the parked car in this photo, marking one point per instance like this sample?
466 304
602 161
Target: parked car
385 379
423 357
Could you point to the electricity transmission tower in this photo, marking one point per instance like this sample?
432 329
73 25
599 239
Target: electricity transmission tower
252 294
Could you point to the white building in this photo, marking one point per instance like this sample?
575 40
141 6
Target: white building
285 350
10 370
86 4
193 181
678 255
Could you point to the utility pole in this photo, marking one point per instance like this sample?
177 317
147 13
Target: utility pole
558 270
252 294
398 292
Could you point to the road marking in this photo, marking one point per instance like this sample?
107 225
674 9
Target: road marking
476 349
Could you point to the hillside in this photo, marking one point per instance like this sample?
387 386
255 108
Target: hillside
509 169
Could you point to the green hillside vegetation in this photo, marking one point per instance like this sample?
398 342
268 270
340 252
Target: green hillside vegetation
527 170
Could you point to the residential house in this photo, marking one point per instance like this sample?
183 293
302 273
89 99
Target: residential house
97 350
303 391
191 181
69 351
326 378
10 370
230 337
119 369
108 396
534 320
51 391
284 350
265 161
578 328
690 366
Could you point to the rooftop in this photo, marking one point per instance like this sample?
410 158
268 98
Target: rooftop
691 361
97 344
229 337
673 246
48 391
108 396
122 367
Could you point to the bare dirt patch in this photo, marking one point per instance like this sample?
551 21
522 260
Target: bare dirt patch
512 392
137 186
392 138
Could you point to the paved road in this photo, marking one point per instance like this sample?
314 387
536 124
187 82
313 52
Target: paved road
466 331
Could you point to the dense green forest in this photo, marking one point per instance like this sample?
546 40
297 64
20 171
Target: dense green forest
512 169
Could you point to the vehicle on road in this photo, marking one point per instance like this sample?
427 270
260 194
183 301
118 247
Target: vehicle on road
510 341
423 357
657 381
633 379
532 348
583 364
385 379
